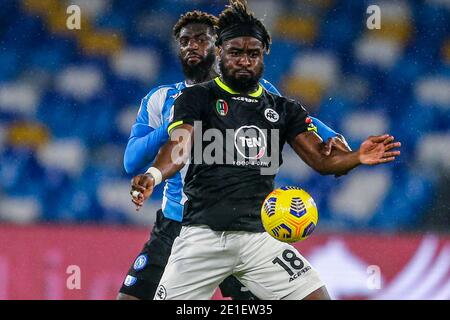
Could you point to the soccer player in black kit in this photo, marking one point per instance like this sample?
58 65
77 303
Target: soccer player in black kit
222 233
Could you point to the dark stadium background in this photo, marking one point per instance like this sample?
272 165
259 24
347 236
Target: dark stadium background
69 97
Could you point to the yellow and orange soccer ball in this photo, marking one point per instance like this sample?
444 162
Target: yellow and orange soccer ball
289 214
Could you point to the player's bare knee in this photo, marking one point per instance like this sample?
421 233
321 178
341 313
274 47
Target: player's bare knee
319 294
122 296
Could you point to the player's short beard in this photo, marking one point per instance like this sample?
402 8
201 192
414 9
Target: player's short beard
241 84
199 72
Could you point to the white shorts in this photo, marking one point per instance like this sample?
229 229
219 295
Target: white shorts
202 258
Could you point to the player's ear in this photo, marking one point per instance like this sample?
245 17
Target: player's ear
219 51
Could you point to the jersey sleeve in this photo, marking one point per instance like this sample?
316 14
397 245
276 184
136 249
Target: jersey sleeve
270 87
323 130
188 107
298 120
147 135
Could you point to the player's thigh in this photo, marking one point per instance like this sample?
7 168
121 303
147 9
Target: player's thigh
197 265
275 270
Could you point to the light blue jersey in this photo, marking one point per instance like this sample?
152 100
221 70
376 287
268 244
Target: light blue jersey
149 134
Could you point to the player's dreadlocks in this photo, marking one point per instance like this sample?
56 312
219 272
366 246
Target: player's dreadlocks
236 20
194 17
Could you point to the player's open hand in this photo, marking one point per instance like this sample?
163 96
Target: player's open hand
141 189
378 149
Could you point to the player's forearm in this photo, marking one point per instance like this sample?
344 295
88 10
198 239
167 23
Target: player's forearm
338 163
166 163
140 151
175 153
309 147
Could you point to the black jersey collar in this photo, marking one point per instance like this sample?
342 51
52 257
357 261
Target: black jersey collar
222 85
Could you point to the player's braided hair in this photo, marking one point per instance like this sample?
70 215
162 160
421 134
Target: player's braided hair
236 13
194 17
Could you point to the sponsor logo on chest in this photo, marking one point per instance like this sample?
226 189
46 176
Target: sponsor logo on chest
250 142
245 99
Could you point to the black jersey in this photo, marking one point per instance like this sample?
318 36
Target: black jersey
238 143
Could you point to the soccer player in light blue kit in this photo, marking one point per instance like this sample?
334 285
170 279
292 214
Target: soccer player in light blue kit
195 35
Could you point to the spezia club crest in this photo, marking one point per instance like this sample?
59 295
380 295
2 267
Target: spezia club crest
161 293
271 115
140 262
222 107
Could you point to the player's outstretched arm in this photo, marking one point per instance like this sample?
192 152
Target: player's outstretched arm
171 158
374 150
331 138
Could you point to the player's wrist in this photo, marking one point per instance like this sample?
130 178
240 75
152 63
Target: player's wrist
156 174
358 157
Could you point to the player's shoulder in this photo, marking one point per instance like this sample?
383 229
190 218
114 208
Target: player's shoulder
164 90
279 99
269 87
198 90
286 103
283 99
202 87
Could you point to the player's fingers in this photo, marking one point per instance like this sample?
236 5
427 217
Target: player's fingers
378 139
136 184
134 193
137 203
391 154
388 140
137 188
385 160
135 180
141 180
328 146
145 181
138 196
393 145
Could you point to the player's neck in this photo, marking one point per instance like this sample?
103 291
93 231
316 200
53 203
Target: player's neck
211 75
248 91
